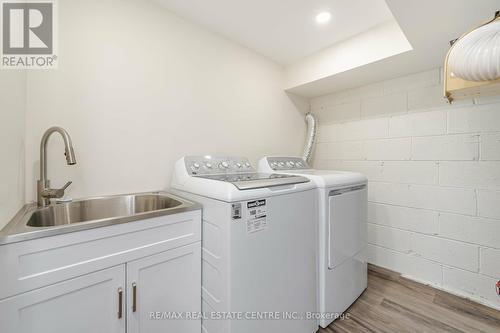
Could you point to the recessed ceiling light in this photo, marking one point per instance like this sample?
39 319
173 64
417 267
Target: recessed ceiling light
323 17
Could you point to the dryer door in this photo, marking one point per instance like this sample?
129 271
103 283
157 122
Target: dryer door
347 223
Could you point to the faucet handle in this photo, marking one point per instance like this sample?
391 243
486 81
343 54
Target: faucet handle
50 193
59 193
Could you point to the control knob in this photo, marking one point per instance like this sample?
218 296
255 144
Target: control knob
195 166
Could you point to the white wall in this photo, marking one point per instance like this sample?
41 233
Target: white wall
12 127
434 178
137 88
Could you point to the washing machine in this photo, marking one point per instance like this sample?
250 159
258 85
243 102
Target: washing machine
258 245
342 205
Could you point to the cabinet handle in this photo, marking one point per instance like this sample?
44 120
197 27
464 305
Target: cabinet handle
134 297
120 302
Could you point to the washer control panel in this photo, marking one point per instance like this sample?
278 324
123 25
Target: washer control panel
215 165
287 163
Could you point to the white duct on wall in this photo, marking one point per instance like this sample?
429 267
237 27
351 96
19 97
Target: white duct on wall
310 138
476 55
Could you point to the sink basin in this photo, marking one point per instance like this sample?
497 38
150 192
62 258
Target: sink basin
100 208
34 222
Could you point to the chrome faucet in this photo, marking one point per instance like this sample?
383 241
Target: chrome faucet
44 192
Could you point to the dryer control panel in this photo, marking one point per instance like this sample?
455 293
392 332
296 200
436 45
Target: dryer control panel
287 163
216 165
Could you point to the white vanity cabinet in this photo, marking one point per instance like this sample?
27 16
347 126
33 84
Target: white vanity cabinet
108 279
164 283
88 303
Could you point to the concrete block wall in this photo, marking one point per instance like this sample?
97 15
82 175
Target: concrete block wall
434 178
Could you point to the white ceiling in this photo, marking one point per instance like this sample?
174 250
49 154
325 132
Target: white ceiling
286 31
283 30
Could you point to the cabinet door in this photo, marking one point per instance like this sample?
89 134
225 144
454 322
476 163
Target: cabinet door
89 303
163 285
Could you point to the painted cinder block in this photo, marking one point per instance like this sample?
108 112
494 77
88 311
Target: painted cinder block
446 199
354 130
474 119
373 170
490 263
490 147
446 251
411 266
366 129
384 105
446 148
318 164
488 203
410 172
347 150
472 285
446 196
426 98
322 164
412 219
388 149
388 237
470 174
329 133
418 124
470 229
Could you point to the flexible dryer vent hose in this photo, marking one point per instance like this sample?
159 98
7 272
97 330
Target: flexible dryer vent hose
310 138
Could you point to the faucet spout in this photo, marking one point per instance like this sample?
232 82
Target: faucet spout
45 193
70 155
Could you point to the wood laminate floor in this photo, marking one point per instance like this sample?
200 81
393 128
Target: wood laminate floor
393 304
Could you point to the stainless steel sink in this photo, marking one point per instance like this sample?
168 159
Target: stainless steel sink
34 222
100 208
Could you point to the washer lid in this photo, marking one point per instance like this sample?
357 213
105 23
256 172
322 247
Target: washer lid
322 178
248 181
